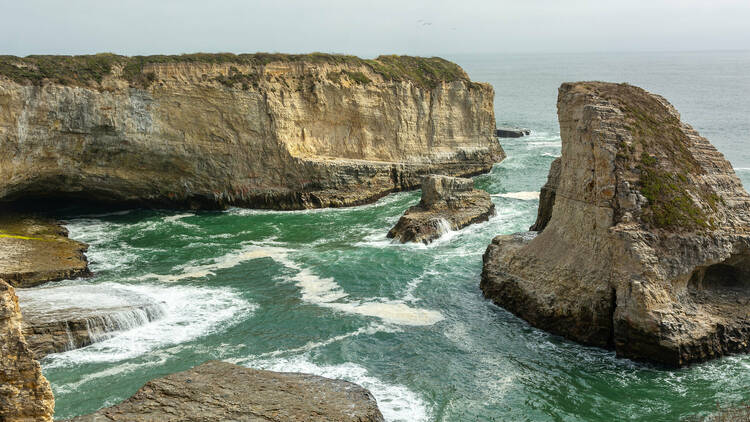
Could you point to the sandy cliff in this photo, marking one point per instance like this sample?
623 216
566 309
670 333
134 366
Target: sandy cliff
271 131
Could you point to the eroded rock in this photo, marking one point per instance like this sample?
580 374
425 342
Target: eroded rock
547 197
37 250
647 250
25 394
222 391
62 318
448 203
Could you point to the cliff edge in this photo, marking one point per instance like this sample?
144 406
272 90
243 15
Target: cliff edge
647 250
214 130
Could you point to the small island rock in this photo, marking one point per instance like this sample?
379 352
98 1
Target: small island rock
448 203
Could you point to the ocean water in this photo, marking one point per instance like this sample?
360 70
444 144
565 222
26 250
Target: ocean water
323 291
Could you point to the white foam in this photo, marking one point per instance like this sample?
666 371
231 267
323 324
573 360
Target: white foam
396 402
177 219
543 144
232 259
326 292
547 154
189 312
523 196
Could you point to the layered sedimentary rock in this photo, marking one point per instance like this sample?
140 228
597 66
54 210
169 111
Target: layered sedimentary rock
37 250
269 131
448 203
547 197
222 391
25 394
647 250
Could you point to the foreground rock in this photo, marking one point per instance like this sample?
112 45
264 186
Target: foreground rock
448 203
647 250
37 250
62 318
213 130
511 132
217 391
25 394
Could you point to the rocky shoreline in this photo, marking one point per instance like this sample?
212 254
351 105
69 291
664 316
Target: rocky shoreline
37 250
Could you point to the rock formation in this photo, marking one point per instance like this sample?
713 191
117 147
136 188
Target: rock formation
217 391
547 197
37 250
58 330
213 130
25 394
511 132
448 203
647 250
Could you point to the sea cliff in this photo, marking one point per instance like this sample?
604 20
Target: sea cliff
215 130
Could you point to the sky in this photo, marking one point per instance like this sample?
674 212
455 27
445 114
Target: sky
370 28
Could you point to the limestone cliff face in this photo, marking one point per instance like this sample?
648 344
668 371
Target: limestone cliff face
25 394
262 131
647 250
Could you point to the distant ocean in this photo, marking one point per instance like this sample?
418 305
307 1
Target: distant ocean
324 291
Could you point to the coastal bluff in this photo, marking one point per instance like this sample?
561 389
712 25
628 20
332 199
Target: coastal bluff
252 130
647 246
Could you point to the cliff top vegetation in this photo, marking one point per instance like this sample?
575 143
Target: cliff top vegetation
91 69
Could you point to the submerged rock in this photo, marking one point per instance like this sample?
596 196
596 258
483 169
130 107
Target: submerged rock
448 203
62 318
217 391
261 131
37 250
25 394
647 250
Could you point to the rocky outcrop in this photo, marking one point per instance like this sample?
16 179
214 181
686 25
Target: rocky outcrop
647 250
37 250
547 197
222 391
262 131
448 203
511 132
25 394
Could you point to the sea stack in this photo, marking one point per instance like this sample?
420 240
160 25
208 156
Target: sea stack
647 250
448 203
25 395
220 391
253 130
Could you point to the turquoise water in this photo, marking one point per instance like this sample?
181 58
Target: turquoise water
323 291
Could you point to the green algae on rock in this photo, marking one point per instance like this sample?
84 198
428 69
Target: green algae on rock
647 250
37 250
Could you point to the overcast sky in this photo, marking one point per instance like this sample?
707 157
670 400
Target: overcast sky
373 27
